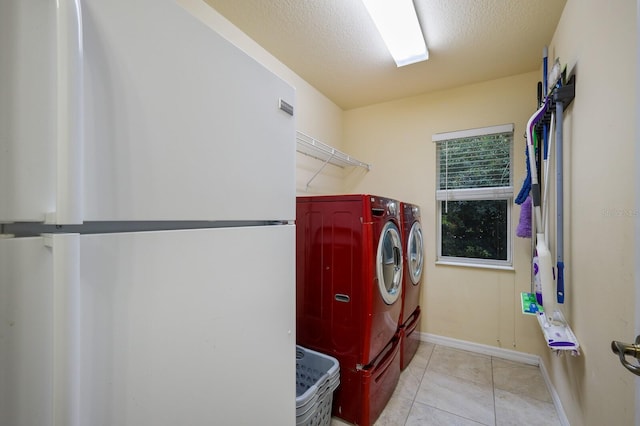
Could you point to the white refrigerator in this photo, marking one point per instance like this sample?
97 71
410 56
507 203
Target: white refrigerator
147 206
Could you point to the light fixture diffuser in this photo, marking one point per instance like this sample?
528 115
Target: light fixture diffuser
398 25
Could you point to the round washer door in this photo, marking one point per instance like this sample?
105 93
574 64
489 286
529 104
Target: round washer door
415 253
389 263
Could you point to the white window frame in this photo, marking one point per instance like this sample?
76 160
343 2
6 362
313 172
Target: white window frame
494 193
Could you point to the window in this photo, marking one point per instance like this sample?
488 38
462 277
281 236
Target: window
474 195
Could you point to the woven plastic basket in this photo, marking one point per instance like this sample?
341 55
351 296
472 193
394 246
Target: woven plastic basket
317 376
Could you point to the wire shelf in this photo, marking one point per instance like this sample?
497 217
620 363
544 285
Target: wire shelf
323 152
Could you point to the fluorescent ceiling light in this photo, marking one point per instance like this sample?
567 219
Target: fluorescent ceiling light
398 24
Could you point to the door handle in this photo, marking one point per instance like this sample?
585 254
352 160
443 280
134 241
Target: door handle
69 138
623 349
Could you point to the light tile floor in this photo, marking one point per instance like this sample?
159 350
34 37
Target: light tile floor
446 386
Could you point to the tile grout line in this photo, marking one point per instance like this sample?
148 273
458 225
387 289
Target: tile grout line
415 395
435 346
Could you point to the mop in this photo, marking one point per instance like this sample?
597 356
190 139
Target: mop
544 266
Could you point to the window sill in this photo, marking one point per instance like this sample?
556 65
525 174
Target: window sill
475 265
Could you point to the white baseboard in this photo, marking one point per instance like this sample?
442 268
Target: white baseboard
507 354
502 353
554 396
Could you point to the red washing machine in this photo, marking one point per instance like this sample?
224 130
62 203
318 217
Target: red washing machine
413 245
348 303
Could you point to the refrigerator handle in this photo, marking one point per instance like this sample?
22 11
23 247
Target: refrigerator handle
69 120
65 249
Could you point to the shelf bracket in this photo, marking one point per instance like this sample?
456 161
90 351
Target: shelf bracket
327 161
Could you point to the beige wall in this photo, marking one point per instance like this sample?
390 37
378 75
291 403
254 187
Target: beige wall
598 41
473 304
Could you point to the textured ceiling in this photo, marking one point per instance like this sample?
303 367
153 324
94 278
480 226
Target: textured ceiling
334 46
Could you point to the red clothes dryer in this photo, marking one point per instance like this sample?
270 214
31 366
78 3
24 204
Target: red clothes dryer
413 245
349 266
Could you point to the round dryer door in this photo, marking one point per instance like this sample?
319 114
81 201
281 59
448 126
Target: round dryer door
389 263
415 253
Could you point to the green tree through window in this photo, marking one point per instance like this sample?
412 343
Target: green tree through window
475 229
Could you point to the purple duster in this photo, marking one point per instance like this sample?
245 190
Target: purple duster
524 226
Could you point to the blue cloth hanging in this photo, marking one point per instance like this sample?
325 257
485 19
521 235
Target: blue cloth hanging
526 185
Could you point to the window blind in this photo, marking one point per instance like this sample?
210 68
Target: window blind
476 162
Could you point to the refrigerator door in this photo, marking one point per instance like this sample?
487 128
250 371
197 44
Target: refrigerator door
175 122
180 124
39 308
40 111
176 327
